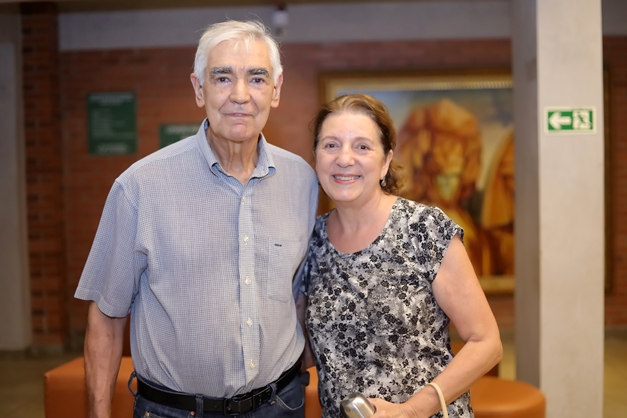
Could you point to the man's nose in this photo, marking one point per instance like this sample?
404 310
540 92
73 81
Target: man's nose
240 92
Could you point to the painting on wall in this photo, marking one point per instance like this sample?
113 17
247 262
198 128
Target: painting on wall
455 143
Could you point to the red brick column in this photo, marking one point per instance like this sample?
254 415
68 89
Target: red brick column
44 174
615 60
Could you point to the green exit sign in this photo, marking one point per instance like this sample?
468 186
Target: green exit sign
570 120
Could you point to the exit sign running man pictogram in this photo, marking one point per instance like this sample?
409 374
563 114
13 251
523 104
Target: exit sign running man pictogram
570 120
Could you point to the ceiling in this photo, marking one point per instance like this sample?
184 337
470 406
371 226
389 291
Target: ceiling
95 5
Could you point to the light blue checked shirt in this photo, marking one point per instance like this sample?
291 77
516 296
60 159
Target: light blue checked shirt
205 266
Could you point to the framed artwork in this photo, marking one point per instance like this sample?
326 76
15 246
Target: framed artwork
455 143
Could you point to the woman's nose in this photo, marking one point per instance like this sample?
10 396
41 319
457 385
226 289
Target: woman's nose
345 157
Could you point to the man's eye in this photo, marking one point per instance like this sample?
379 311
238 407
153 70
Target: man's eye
258 80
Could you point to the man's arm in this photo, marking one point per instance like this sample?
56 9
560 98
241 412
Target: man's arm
307 357
103 353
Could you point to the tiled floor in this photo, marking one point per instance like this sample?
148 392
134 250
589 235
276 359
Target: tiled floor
21 379
615 372
21 385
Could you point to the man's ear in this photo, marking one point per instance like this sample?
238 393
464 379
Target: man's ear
198 94
276 93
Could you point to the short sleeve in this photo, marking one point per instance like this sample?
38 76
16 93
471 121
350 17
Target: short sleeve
111 274
432 231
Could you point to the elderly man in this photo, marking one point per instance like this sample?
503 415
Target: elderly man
199 241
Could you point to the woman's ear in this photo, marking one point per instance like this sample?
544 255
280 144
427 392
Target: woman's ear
386 165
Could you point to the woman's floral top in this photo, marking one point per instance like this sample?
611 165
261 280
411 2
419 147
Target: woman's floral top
373 322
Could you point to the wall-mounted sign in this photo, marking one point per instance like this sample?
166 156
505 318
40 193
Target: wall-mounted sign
580 120
111 121
173 132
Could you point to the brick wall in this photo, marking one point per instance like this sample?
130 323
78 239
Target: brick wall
44 177
615 58
159 77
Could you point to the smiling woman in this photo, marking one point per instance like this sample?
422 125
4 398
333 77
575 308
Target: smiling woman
384 277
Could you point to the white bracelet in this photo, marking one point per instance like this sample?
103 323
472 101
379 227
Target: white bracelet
440 396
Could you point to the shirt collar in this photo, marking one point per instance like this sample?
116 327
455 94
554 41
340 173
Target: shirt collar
265 163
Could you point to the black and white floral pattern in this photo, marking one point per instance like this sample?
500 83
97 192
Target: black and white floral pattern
373 321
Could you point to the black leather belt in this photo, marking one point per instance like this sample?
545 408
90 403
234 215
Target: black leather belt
239 404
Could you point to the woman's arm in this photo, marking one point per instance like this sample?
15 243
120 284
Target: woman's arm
459 294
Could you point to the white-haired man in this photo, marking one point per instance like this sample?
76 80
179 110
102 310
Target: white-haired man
199 241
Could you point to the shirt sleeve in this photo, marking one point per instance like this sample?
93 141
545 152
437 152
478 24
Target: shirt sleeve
297 283
111 274
301 278
433 232
313 206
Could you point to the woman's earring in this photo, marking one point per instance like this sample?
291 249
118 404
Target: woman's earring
382 182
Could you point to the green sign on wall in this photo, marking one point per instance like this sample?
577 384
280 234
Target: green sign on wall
173 132
111 121
570 120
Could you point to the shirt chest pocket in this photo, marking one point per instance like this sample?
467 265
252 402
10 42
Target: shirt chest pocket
284 256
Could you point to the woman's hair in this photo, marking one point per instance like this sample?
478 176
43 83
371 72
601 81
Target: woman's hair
233 30
369 106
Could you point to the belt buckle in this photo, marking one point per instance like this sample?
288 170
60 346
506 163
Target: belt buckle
230 403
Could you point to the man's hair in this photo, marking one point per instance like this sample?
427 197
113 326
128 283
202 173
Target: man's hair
236 31
363 104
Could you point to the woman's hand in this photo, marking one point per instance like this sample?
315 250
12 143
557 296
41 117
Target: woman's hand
386 409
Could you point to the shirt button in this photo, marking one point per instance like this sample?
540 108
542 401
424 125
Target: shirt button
249 322
246 238
247 281
243 199
252 364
